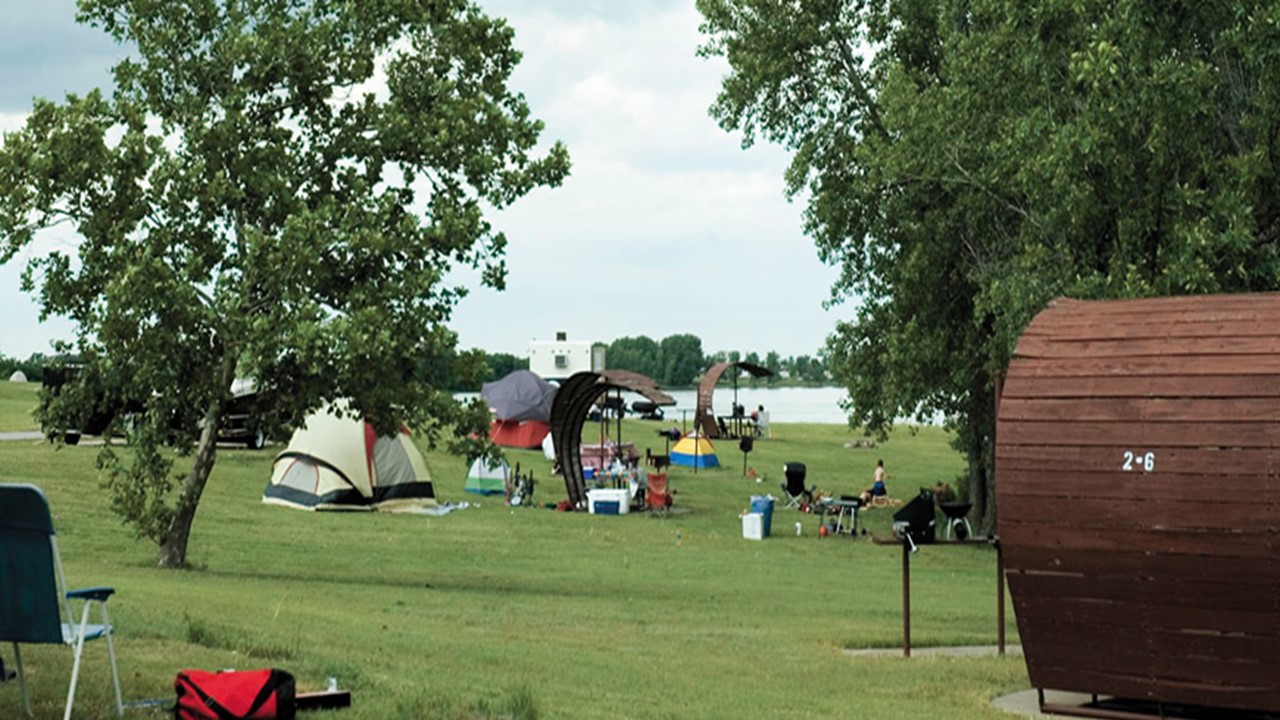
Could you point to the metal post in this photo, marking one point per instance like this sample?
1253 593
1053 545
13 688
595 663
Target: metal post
696 446
906 600
617 395
1000 596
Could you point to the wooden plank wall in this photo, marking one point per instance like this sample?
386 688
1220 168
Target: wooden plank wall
1138 447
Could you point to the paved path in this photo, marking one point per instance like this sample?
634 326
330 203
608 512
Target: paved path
955 651
21 435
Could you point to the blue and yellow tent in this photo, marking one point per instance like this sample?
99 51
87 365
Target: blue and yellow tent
694 451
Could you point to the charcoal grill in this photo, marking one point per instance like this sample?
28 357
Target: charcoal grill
915 523
957 518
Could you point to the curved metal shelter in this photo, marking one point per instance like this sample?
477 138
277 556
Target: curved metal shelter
1138 482
705 414
569 414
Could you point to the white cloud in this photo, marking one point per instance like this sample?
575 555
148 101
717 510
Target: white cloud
666 225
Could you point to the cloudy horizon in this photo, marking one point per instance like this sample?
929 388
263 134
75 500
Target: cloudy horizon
665 226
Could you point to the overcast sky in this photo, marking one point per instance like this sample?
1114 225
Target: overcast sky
665 226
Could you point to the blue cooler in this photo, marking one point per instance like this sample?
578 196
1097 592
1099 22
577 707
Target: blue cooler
763 504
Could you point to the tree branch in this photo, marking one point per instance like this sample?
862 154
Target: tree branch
852 70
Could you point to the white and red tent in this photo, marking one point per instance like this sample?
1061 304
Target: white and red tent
340 463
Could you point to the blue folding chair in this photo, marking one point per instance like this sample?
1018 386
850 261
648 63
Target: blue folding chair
33 599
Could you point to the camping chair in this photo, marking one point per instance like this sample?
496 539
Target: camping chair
794 487
656 496
33 598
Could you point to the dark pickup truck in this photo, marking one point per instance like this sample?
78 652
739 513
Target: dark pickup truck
241 416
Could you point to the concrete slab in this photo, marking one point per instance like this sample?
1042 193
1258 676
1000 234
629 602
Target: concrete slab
1027 702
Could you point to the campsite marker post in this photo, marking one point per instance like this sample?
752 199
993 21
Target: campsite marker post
906 587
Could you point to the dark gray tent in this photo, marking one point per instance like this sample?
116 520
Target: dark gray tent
520 396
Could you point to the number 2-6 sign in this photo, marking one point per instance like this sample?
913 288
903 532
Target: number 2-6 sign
1145 462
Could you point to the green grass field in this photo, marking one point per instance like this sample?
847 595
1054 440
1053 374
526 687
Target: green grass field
495 612
17 400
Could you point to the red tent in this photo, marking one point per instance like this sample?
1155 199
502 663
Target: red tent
511 433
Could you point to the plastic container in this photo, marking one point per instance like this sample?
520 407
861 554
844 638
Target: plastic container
753 526
608 501
763 504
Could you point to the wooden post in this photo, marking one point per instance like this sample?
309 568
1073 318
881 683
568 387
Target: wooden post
1000 596
906 600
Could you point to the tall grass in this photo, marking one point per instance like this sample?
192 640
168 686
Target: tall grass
498 612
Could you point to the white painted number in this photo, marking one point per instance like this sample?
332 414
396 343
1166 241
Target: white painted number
1132 461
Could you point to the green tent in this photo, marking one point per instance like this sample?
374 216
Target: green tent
485 479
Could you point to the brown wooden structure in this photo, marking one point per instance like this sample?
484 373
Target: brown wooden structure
569 411
705 414
1138 447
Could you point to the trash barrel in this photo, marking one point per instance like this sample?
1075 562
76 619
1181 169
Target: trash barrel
763 504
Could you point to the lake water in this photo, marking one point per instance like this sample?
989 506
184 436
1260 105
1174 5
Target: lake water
785 405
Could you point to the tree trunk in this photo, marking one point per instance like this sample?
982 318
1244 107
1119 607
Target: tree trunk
173 549
981 452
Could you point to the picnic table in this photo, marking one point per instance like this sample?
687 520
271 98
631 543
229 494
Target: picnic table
599 456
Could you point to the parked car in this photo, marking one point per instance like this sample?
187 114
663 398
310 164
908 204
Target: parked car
104 408
243 420
242 416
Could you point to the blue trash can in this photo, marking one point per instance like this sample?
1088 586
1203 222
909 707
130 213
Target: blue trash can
763 504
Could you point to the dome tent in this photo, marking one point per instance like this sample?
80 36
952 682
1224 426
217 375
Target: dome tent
521 405
340 463
18 376
694 451
520 395
486 479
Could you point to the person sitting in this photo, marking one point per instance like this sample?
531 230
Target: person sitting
877 494
942 493
761 418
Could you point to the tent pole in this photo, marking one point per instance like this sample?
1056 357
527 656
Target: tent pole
737 421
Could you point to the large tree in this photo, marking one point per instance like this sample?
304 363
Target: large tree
640 354
682 360
965 161
274 189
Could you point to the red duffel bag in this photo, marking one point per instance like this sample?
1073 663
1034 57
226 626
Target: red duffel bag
234 695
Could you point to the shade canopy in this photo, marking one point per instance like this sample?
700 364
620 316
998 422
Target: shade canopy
577 394
704 414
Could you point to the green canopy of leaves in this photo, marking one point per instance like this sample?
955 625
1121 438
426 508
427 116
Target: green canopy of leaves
276 189
965 161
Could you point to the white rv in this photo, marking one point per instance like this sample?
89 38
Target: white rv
558 359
